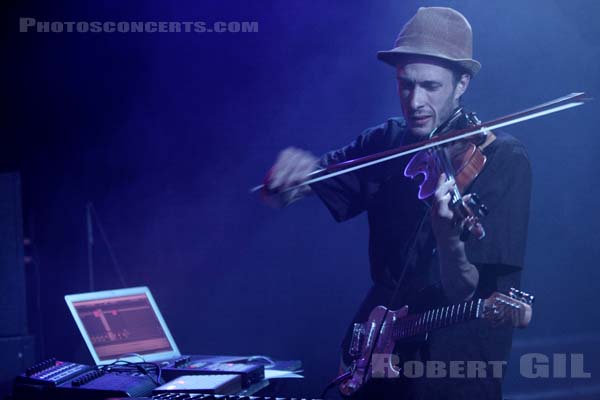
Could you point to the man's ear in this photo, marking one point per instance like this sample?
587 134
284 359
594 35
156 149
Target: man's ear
461 86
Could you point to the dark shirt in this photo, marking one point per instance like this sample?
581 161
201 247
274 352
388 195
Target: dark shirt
401 239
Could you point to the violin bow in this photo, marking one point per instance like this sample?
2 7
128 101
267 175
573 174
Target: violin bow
550 107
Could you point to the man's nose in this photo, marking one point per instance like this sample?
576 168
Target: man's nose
417 98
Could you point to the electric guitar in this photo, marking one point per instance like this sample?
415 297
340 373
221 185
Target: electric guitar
384 327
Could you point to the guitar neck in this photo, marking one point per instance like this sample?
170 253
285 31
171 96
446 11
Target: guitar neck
416 324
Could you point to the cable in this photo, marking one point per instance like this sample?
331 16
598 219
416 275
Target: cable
115 263
397 285
139 366
343 377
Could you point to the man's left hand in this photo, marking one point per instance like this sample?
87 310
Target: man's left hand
445 227
459 277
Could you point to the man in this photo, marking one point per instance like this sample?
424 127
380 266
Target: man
417 256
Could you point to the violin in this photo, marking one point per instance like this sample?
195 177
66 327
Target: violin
453 148
461 161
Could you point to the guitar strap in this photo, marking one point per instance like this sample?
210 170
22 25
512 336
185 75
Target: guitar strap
409 255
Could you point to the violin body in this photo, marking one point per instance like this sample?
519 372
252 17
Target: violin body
461 161
468 166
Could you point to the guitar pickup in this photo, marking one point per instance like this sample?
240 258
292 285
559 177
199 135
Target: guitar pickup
358 337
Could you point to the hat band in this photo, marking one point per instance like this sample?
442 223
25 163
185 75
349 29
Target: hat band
431 44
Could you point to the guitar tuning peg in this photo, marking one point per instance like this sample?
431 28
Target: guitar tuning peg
521 296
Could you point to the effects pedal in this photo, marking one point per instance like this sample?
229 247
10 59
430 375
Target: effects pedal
53 379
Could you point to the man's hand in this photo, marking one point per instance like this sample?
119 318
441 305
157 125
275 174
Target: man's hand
459 277
291 168
442 217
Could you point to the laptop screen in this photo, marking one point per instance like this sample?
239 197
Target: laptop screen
117 323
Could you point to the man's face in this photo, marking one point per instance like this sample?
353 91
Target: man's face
428 94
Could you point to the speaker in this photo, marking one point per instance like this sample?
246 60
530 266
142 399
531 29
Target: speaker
13 310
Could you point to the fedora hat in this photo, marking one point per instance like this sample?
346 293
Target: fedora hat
437 32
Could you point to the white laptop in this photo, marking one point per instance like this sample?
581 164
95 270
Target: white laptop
125 324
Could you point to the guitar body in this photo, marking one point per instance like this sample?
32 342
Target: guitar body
374 341
376 359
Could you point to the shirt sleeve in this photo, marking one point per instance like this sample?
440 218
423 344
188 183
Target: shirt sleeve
347 195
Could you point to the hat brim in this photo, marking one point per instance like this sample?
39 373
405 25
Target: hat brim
394 57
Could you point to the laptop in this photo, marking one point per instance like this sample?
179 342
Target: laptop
126 325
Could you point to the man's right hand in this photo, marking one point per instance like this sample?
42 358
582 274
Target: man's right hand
291 168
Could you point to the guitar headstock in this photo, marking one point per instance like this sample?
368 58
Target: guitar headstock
521 296
514 308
